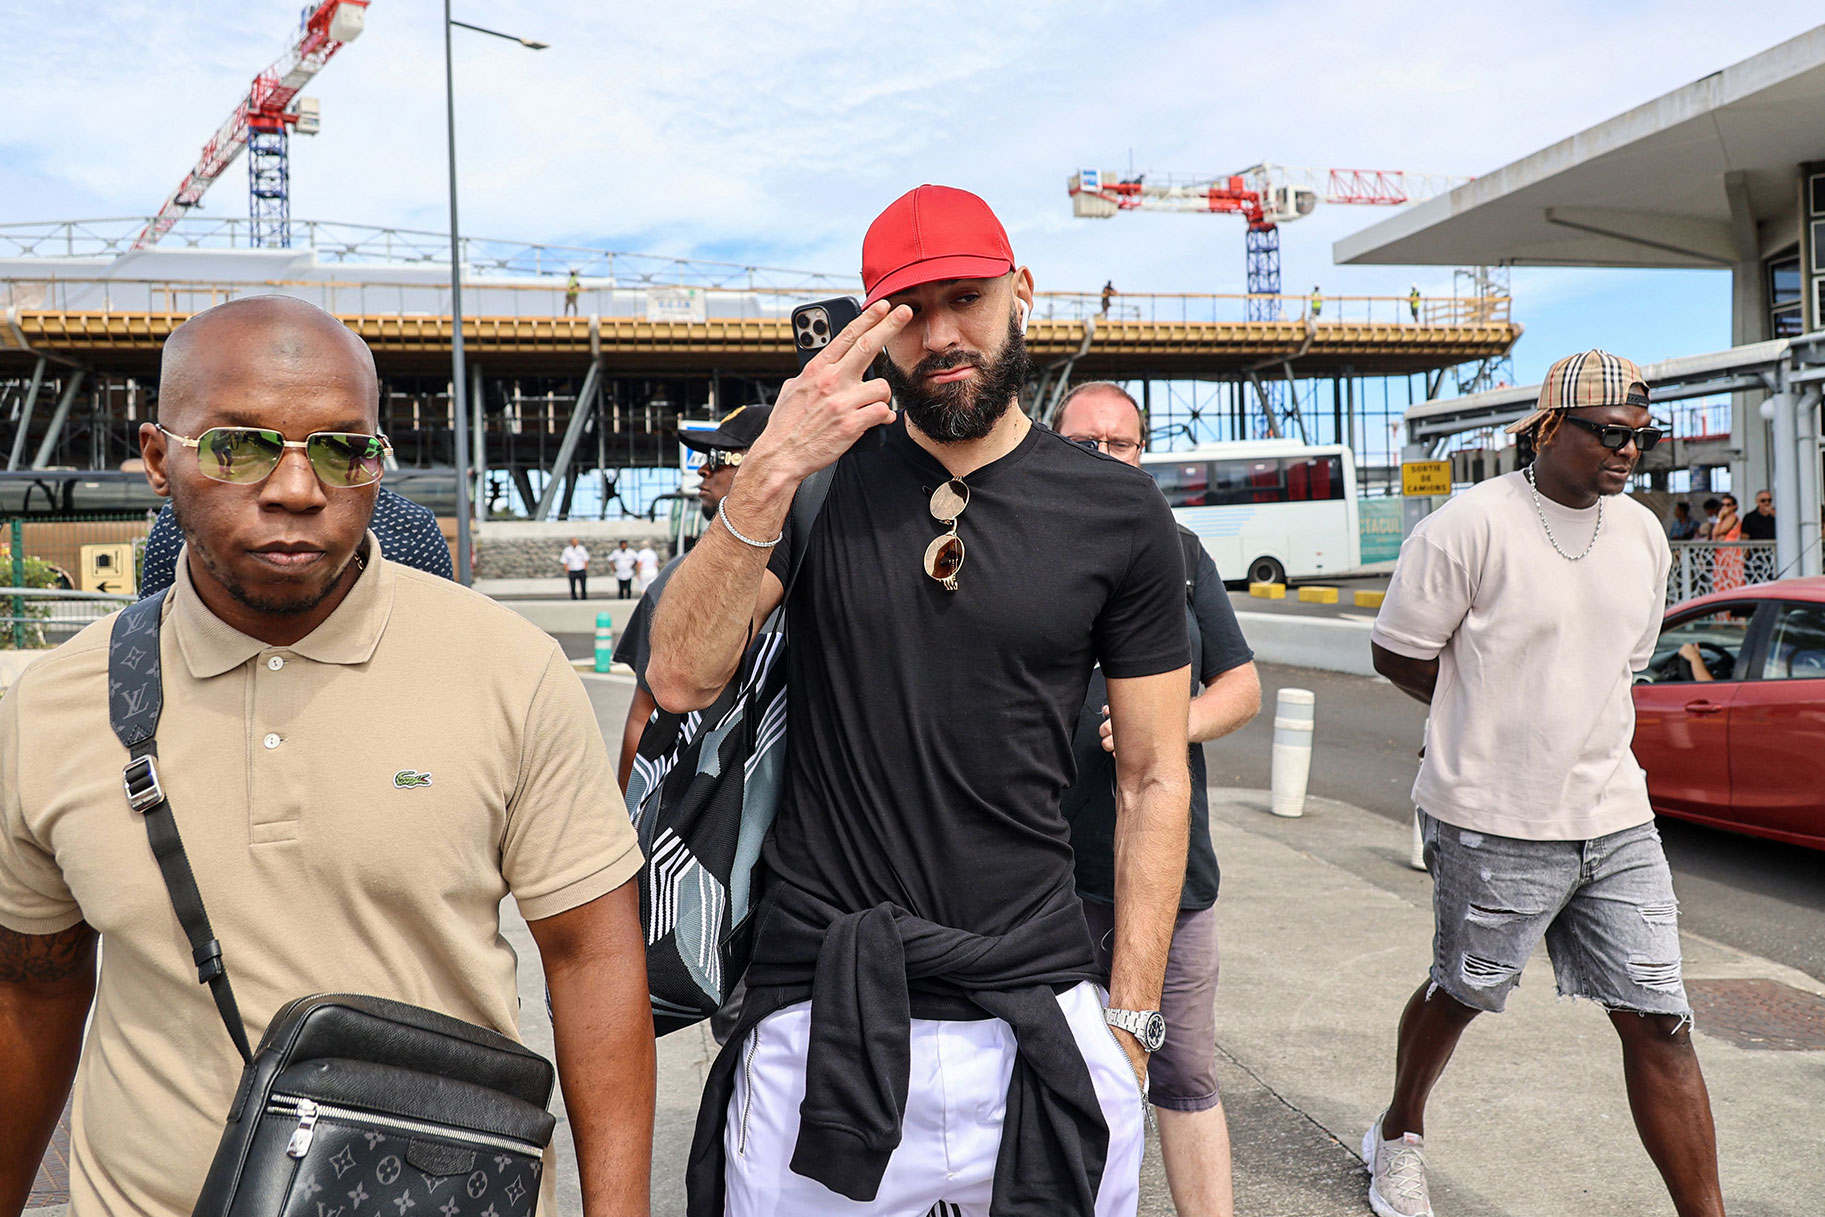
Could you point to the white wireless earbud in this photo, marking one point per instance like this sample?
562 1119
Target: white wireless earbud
1020 315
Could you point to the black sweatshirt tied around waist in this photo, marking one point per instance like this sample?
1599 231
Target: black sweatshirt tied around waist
861 972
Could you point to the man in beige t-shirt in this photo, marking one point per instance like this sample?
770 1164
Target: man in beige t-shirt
1518 612
363 760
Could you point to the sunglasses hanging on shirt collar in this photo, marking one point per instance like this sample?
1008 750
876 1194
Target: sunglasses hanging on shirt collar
944 556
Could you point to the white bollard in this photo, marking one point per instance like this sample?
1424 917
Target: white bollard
1292 765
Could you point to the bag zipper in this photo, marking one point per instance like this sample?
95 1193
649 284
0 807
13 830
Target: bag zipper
747 1100
308 1112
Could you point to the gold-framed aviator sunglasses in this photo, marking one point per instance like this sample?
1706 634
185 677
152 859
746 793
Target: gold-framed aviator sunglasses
243 456
944 556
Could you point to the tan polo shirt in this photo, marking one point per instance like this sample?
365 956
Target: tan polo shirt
321 871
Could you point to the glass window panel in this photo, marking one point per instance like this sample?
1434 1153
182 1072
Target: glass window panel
1796 649
1784 286
1717 637
1316 479
1248 481
1186 484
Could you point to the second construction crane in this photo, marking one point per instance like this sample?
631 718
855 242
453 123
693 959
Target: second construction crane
1266 196
262 123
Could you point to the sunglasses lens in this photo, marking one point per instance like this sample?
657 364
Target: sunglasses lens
238 454
944 558
949 500
1646 438
345 458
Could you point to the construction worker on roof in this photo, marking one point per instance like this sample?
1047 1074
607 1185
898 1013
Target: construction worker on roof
1413 303
573 287
1317 302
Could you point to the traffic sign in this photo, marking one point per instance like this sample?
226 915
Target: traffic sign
1425 478
108 568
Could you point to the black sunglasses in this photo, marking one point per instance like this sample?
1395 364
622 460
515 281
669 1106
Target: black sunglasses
1615 437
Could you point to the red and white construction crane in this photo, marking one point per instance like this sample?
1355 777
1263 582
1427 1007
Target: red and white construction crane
262 123
1266 196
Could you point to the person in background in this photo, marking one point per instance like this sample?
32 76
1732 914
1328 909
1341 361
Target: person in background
1682 527
1758 525
1727 564
647 564
1317 302
1711 509
1226 693
575 560
1108 295
626 561
724 449
573 287
1413 302
1517 613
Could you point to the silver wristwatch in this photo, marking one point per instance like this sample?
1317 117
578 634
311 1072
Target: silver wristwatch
1147 1026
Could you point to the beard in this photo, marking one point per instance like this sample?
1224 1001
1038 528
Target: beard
301 599
965 409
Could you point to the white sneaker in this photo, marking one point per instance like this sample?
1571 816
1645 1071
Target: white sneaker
1397 1173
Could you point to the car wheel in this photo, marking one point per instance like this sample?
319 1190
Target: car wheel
1266 570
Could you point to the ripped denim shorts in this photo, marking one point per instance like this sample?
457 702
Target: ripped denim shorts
1605 907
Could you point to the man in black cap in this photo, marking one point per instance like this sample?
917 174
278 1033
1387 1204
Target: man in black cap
724 448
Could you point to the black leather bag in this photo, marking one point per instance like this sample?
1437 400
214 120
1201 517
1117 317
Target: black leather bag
350 1104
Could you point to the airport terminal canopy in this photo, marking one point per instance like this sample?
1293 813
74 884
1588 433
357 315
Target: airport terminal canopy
1708 175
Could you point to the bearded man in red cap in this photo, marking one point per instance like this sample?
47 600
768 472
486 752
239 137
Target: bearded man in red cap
923 1032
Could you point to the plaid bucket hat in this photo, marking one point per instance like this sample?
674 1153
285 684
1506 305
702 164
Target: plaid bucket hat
1589 378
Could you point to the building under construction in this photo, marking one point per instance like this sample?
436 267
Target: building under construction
576 396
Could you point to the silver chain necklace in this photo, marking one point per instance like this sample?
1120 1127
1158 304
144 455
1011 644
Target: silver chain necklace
1534 486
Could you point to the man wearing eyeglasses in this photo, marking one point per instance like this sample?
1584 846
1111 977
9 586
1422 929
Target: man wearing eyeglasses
1517 612
923 1030
1182 1076
342 838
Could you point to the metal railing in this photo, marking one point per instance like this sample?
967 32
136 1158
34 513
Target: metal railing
43 562
1700 567
503 298
333 241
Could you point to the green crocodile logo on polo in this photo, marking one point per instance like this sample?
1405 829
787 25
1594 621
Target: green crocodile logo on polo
406 779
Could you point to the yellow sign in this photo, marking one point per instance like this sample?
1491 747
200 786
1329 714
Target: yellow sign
1425 477
108 568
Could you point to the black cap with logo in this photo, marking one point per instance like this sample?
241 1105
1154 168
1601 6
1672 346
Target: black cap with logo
737 431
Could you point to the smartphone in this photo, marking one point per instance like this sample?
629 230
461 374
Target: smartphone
814 325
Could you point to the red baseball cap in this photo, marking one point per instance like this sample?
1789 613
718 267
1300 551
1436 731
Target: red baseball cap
932 233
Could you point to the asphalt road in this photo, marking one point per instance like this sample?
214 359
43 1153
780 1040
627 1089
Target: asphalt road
1758 896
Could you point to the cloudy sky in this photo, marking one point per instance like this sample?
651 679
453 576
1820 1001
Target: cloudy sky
771 133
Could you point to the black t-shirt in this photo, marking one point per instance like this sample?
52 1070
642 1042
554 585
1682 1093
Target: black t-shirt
1217 646
635 645
1758 527
930 730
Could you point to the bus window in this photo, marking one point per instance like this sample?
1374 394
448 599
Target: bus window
1320 477
1248 481
1184 485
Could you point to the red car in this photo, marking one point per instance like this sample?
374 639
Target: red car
1730 714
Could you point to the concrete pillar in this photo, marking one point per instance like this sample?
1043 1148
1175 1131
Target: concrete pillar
1786 483
1749 467
1812 562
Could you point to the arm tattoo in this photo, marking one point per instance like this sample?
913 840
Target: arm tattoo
44 958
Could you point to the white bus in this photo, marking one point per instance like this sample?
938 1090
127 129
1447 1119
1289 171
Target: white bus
1267 510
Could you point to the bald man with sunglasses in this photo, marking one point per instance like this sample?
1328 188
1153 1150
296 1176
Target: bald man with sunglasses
343 838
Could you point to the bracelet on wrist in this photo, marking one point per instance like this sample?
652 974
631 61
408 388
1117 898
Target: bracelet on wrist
723 515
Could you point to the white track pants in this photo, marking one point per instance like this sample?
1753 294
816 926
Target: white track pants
956 1101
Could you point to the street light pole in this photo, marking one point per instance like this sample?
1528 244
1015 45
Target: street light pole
459 390
465 573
